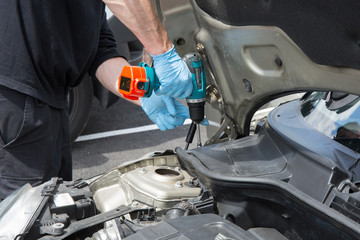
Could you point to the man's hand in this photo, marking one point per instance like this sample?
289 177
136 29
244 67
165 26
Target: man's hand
174 76
140 17
166 112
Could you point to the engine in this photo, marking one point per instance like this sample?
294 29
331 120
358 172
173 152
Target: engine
172 196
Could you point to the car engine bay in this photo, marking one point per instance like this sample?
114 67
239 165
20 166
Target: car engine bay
264 186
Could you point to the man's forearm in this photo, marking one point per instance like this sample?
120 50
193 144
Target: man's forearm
137 13
108 74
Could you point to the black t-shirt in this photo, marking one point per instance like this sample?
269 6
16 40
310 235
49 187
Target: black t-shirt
47 46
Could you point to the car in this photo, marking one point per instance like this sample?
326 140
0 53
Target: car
297 176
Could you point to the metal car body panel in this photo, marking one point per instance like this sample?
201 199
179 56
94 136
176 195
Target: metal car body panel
250 65
18 209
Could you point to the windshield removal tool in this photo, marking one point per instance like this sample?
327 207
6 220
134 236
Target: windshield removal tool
196 101
140 81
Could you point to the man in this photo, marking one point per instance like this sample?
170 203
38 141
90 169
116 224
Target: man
47 46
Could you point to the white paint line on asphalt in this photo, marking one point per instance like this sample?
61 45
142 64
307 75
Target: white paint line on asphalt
116 133
127 131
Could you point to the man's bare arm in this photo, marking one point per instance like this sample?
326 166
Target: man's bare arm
140 18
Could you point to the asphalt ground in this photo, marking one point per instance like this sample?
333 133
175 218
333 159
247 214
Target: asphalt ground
95 156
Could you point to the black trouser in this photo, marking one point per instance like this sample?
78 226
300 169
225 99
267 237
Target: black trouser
34 142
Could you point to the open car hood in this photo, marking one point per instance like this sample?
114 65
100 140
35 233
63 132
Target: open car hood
257 51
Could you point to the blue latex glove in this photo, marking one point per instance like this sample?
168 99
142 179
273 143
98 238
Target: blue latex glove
174 75
166 112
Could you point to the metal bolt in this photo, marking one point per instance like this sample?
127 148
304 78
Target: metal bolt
58 228
200 47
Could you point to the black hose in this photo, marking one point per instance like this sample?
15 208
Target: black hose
181 209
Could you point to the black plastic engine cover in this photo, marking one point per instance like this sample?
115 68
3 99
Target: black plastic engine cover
286 177
205 226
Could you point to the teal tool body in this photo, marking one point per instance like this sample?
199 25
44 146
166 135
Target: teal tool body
196 101
153 82
194 63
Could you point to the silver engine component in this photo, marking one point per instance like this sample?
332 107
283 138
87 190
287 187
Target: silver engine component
156 181
110 232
